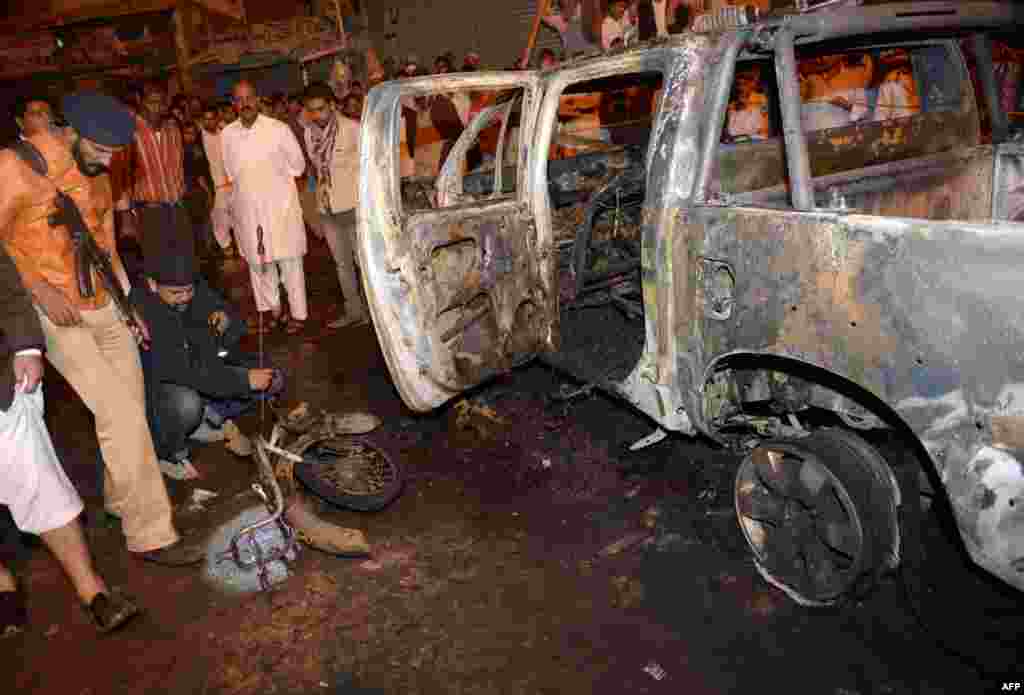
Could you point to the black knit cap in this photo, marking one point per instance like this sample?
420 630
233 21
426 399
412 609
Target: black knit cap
173 263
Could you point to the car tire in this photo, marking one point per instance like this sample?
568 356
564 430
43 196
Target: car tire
820 515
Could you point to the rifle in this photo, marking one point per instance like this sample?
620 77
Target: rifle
89 257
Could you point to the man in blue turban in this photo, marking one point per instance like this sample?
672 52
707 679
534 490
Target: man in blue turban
87 334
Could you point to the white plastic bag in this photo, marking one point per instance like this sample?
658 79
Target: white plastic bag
32 481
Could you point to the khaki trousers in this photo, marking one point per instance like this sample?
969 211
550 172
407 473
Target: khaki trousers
100 360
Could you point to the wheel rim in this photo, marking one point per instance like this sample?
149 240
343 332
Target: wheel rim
353 468
800 522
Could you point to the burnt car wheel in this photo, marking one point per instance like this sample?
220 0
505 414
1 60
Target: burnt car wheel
819 514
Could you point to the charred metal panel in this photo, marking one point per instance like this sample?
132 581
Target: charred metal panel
756 166
924 316
962 190
480 284
797 280
874 142
456 294
951 185
749 166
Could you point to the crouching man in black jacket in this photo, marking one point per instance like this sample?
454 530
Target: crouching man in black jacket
196 379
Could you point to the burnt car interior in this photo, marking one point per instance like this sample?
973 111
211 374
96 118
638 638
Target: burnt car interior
597 199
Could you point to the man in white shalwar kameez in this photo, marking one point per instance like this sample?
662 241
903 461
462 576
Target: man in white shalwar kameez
262 159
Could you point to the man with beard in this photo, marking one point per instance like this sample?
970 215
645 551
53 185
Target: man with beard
262 159
332 140
87 338
196 379
154 200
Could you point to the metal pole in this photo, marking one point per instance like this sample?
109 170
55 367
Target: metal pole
797 159
716 117
982 49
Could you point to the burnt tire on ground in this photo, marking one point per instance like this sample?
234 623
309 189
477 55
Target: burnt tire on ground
351 473
819 514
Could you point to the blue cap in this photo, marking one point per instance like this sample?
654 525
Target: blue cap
99 118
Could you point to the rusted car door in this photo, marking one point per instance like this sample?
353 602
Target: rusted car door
458 291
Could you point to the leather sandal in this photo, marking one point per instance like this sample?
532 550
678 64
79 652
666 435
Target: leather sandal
294 326
110 611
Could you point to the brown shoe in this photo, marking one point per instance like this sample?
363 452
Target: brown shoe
111 611
177 554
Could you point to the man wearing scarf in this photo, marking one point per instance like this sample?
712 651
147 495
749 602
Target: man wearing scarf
332 140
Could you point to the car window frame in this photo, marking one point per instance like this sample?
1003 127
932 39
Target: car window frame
968 107
532 93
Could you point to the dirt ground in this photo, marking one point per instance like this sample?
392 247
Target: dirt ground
529 553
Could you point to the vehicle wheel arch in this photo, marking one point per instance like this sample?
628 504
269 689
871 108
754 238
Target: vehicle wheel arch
905 443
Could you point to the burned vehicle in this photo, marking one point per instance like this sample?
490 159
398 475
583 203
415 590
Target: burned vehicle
824 215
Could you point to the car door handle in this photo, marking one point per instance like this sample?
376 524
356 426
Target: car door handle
719 285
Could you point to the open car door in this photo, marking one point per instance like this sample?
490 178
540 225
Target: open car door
460 290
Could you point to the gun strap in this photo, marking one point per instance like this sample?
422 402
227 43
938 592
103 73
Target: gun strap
30 154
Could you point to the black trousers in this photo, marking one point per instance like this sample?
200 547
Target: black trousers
174 412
